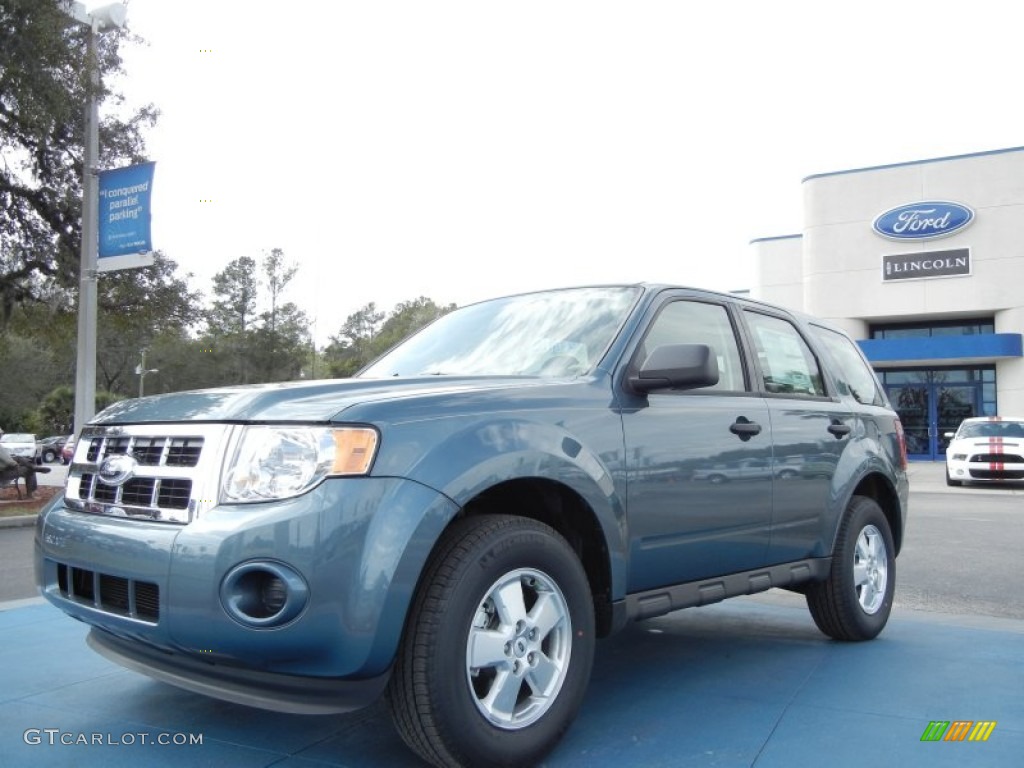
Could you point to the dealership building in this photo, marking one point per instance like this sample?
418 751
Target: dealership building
922 263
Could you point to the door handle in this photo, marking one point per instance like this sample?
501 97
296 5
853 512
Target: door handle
744 428
839 429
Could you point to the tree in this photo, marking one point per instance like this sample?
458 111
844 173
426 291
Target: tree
44 87
350 350
246 346
27 373
366 334
284 336
230 320
135 305
278 277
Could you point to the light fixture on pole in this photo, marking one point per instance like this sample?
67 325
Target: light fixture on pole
103 19
141 371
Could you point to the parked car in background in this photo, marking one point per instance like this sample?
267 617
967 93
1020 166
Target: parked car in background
20 444
48 450
986 449
68 450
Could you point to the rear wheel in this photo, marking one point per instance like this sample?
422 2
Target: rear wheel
854 602
498 647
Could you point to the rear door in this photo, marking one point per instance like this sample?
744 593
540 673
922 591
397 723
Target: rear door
811 427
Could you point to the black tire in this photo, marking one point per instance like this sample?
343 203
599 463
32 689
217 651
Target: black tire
854 602
951 481
49 456
438 698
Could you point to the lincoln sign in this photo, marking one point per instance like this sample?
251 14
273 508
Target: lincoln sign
915 266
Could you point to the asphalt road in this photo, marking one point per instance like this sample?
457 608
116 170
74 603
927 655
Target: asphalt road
961 554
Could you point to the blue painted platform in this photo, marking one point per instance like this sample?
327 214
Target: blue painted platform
749 682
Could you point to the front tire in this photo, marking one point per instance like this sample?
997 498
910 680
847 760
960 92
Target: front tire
854 602
950 481
498 647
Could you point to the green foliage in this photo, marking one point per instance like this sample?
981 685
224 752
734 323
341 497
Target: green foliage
27 373
136 305
57 411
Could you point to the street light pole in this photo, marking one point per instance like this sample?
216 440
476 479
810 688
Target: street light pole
85 368
101 20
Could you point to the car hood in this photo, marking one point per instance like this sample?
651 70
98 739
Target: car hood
318 401
990 444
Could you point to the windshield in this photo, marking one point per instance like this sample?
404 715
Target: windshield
992 429
557 333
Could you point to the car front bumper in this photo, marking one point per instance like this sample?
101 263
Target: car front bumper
167 599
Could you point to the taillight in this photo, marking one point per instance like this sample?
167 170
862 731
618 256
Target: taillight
901 440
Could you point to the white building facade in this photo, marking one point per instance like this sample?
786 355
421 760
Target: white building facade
922 263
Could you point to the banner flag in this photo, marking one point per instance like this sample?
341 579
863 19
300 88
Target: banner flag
125 217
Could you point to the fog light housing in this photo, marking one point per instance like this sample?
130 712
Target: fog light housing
263 594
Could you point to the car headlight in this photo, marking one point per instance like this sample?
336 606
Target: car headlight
280 462
959 457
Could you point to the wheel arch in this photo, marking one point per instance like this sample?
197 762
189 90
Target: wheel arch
877 486
567 512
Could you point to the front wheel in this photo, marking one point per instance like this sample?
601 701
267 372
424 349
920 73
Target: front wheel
950 481
498 648
854 602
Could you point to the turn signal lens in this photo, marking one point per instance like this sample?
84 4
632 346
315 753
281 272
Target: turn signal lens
354 449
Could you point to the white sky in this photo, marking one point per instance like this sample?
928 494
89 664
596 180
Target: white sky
461 150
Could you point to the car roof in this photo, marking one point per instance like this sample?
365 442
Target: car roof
981 419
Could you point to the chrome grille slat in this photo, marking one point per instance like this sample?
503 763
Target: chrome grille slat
173 476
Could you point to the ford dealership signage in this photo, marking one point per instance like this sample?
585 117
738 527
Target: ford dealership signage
917 266
923 221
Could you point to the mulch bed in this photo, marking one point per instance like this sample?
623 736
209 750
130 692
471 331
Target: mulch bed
9 499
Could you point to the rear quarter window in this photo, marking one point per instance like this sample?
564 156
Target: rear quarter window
851 371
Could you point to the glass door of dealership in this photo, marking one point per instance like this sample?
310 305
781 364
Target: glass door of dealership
933 402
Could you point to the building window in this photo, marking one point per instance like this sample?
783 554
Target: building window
924 330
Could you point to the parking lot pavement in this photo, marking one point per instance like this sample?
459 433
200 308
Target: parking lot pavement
57 475
748 682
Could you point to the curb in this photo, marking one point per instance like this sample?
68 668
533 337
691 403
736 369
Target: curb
18 521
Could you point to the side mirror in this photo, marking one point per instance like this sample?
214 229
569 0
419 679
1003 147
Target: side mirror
948 435
676 366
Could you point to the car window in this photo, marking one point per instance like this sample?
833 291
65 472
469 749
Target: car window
697 322
852 374
787 364
991 429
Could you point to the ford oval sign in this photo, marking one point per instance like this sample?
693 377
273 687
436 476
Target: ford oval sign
923 221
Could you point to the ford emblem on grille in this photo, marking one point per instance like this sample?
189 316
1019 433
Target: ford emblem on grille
117 469
923 221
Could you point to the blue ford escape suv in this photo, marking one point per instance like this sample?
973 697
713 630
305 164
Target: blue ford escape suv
454 527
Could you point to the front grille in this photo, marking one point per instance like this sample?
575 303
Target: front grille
110 594
997 458
997 474
163 478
